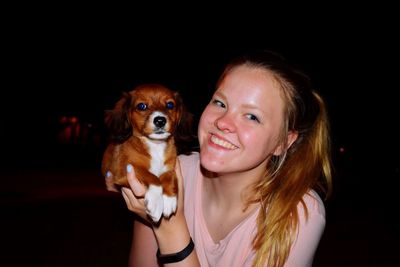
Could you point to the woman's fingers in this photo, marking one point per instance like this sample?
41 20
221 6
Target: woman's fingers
134 204
138 189
110 183
134 196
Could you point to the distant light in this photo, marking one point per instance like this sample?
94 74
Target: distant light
341 150
63 120
73 119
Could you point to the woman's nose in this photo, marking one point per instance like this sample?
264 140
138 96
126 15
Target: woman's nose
225 123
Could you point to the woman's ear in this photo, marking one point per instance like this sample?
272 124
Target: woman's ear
292 137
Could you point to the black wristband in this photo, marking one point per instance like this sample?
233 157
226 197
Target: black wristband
176 257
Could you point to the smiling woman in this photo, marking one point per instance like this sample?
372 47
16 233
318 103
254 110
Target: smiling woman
53 70
251 193
252 114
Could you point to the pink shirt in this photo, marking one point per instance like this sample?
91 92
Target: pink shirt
236 248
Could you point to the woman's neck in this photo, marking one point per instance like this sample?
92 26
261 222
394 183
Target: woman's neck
224 201
230 190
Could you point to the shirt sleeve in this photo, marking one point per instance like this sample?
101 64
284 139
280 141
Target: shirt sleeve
309 232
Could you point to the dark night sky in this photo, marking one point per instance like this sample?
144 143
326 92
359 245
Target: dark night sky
55 69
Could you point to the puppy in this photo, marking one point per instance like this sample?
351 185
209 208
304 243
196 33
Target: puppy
143 124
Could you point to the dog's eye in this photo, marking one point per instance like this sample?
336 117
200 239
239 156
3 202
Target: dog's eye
170 105
141 106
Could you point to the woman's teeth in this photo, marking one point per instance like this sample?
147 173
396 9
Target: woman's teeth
222 143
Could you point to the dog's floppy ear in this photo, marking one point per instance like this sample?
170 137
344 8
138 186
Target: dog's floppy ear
184 135
117 120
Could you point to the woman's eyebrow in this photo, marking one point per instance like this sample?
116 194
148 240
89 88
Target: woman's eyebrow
250 106
220 94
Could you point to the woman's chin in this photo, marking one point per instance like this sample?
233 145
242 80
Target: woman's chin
212 163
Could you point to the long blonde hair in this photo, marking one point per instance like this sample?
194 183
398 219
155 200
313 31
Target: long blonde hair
305 165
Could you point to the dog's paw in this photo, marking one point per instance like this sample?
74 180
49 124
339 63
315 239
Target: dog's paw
170 204
153 199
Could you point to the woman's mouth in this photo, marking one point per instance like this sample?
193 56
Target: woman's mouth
223 143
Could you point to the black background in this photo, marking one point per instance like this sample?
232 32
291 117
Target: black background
76 62
65 67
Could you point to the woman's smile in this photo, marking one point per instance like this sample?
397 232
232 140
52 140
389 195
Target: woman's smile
239 128
218 142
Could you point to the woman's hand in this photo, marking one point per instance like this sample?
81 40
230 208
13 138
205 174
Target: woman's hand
172 233
110 182
134 196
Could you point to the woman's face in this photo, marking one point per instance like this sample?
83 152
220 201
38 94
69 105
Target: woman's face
239 128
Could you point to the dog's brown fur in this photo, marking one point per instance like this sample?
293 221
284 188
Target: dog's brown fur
131 129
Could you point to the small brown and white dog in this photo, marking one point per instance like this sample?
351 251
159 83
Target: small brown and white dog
143 124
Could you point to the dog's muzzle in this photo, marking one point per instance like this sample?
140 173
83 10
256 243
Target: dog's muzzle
159 121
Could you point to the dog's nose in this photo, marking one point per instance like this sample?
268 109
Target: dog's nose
159 121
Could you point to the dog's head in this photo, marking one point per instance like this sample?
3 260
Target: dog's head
150 110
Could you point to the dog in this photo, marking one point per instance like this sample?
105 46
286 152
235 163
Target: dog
144 125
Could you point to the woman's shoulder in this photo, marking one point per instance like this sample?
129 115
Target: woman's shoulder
314 205
189 164
188 160
311 226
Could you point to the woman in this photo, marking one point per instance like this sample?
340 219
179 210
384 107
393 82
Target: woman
249 198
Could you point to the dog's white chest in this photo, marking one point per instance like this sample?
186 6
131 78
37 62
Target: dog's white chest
157 152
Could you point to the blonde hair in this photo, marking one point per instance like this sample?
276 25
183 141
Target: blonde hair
305 165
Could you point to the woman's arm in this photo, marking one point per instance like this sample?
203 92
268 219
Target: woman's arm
144 246
172 235
309 234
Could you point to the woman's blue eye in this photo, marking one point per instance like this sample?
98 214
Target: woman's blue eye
218 103
141 106
252 117
170 105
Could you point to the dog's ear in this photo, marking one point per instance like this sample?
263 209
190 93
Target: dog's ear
117 120
184 135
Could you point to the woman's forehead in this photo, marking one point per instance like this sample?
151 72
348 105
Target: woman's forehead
250 85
